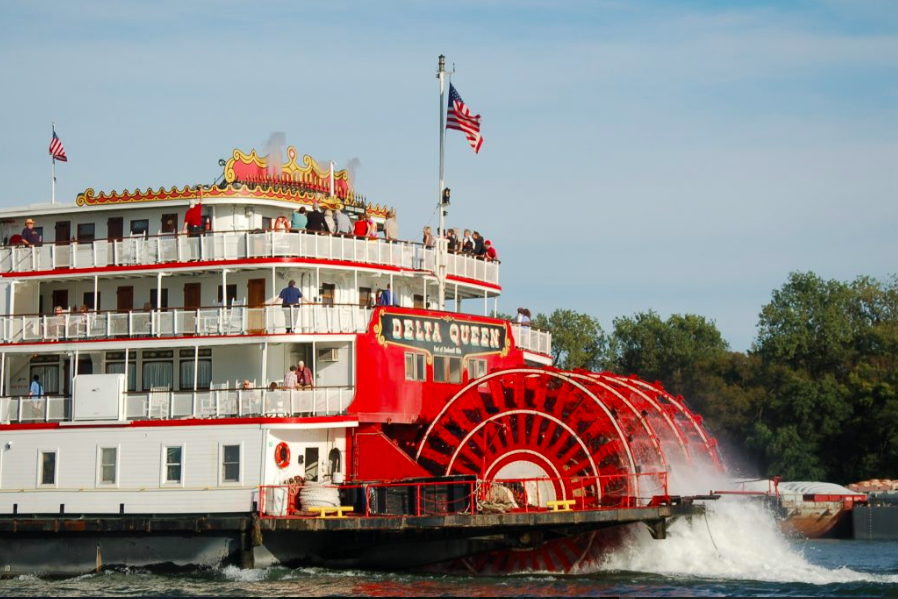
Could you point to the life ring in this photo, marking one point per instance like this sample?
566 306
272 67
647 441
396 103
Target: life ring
282 455
282 224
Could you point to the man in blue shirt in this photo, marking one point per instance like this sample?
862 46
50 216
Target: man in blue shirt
290 296
386 298
36 393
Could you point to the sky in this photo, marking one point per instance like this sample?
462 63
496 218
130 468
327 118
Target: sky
676 156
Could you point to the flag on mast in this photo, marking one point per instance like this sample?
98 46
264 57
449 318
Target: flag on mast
460 118
56 149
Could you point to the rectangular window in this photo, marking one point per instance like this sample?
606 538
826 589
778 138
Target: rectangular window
327 293
48 467
230 464
446 370
158 370
232 294
365 297
89 300
140 227
414 367
86 233
203 374
49 377
173 463
164 299
266 223
476 369
119 368
108 463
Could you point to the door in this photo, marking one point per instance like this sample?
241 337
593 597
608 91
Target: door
115 228
255 298
170 223
192 301
124 299
63 232
192 296
61 298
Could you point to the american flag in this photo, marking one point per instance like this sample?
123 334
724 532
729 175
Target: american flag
56 149
459 117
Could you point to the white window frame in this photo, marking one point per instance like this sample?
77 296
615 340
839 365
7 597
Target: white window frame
221 480
40 468
118 466
163 473
419 359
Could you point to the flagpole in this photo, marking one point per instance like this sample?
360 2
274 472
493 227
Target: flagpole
53 192
441 241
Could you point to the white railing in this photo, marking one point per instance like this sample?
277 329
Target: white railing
239 245
238 320
214 403
53 408
532 339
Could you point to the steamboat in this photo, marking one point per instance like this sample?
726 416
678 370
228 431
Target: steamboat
430 434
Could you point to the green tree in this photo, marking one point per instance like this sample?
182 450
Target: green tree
578 340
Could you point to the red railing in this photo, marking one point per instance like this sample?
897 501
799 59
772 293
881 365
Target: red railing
474 496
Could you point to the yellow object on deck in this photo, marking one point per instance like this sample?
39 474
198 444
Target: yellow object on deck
331 512
562 505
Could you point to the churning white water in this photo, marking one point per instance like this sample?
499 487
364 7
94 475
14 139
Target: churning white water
737 540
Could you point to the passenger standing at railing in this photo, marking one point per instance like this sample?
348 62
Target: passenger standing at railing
479 248
372 227
428 239
36 393
329 224
360 228
391 227
298 220
290 380
467 243
386 297
30 237
523 317
290 296
344 227
490 253
304 376
454 243
193 219
316 221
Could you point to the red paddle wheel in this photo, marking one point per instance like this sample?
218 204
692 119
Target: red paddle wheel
599 439
531 424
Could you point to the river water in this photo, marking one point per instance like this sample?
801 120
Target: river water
737 550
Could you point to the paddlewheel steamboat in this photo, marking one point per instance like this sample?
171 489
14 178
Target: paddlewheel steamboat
431 435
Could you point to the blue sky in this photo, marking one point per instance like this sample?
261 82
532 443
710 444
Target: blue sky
675 156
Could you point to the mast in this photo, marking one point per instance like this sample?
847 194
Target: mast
441 246
53 158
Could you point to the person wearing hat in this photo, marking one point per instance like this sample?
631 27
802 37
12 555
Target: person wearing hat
193 220
490 253
30 236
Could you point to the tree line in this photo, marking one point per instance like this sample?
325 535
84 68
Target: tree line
815 398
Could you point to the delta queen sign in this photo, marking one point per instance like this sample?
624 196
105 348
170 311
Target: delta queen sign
442 335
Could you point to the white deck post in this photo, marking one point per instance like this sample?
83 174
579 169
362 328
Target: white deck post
457 307
196 364
265 364
96 306
486 304
224 287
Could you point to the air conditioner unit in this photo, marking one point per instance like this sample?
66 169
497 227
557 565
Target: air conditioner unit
327 355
